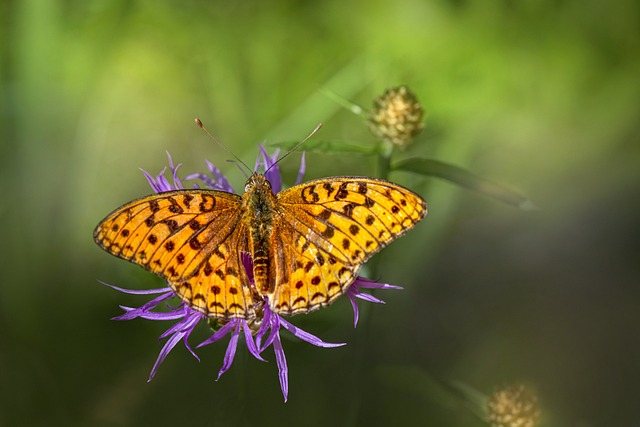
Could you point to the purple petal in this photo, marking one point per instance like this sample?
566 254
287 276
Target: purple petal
231 351
274 157
159 184
283 371
154 315
187 333
272 171
170 159
137 292
362 282
264 160
251 345
356 311
174 169
260 163
181 331
368 297
264 326
177 327
303 168
220 178
219 333
162 182
274 325
142 310
188 346
306 336
204 178
247 263
209 183
151 180
168 346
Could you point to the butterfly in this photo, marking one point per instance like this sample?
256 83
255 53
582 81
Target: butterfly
306 243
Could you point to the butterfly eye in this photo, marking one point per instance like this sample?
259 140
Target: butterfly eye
248 186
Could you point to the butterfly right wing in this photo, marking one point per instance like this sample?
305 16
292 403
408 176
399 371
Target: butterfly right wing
330 227
192 238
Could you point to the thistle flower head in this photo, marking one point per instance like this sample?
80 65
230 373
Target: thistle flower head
258 334
396 116
513 406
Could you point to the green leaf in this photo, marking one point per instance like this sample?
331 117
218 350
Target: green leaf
351 106
466 179
474 400
319 146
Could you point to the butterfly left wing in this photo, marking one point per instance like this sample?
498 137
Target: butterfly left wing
193 239
330 227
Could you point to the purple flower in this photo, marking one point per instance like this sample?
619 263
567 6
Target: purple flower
260 333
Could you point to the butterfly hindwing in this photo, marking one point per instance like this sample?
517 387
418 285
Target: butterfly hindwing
308 274
220 288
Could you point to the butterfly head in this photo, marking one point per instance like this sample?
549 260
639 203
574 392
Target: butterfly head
257 183
258 198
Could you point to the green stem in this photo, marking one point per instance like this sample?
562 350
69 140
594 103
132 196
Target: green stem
384 160
364 360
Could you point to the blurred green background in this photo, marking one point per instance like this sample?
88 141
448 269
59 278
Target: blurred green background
543 96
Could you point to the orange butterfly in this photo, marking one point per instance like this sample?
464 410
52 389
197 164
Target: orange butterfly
307 242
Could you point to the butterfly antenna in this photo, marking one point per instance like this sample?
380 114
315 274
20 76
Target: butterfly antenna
199 123
296 146
242 171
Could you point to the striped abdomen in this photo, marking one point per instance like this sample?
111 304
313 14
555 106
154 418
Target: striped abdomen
261 269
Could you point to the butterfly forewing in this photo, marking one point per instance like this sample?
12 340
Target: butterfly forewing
308 275
353 216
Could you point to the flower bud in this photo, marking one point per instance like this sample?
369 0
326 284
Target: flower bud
396 116
513 406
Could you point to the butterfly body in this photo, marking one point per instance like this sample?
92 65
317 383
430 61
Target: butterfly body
260 206
307 242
